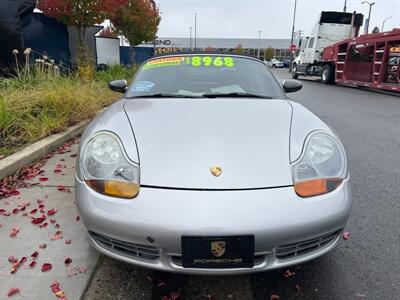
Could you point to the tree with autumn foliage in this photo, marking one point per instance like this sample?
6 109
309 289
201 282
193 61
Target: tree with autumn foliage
137 21
81 14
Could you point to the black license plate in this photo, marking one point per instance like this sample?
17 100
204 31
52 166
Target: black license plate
218 252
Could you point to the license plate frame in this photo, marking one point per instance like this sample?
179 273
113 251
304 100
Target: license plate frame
218 252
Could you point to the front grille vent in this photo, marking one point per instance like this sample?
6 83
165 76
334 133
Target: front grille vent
129 249
292 250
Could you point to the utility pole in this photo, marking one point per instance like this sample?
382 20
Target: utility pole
291 41
383 23
190 38
259 40
369 15
195 32
345 6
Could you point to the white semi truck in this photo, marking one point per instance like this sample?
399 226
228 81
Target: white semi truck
331 28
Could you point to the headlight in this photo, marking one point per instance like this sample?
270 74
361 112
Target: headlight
322 167
106 169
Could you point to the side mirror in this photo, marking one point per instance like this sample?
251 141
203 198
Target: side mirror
292 85
119 86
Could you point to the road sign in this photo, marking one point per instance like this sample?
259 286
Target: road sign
293 48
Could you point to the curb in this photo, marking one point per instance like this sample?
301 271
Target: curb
38 150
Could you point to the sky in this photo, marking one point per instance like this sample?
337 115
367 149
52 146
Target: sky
245 18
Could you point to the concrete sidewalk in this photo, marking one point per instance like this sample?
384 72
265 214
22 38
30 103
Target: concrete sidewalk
55 190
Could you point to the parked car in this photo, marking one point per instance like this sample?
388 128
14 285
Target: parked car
286 62
274 63
206 167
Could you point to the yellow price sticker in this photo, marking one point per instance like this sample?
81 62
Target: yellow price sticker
164 62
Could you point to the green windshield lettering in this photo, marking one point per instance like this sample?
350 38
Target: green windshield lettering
210 61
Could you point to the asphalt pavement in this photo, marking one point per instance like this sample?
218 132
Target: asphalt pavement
364 267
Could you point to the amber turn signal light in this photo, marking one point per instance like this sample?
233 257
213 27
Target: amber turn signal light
317 187
115 188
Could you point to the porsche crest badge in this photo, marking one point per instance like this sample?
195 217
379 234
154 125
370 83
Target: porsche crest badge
216 171
217 248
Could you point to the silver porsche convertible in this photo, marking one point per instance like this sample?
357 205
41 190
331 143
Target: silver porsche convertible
206 167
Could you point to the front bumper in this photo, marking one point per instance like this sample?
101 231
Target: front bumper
147 230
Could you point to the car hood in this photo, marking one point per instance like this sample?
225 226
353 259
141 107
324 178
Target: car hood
179 140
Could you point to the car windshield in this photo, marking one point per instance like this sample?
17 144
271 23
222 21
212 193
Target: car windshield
193 76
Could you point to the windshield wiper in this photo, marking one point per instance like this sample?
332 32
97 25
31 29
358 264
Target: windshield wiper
164 95
235 94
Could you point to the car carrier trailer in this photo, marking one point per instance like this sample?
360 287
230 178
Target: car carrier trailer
371 60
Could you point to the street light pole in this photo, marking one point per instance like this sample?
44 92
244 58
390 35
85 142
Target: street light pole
259 40
369 14
195 32
190 38
291 41
345 6
383 23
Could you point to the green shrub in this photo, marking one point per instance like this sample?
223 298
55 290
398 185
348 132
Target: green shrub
39 103
116 72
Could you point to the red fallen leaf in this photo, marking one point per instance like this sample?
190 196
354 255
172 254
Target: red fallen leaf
77 218
12 259
52 221
346 235
58 235
68 260
38 220
42 246
51 212
63 188
13 193
57 226
13 291
33 211
43 179
22 260
68 242
175 295
274 297
46 267
288 274
41 206
32 264
35 254
55 286
43 225
16 264
4 212
14 231
15 211
23 205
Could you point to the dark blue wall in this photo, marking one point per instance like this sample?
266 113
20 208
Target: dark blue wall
141 54
46 35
